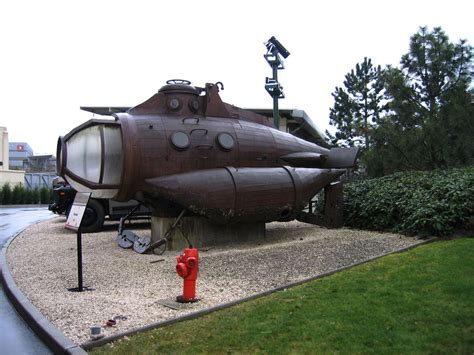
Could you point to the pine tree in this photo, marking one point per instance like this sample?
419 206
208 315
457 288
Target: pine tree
357 106
431 111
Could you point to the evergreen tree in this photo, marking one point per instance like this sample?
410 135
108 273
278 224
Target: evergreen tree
46 195
6 194
416 117
430 124
17 195
35 195
357 106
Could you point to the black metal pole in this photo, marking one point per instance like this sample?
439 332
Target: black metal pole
276 114
79 260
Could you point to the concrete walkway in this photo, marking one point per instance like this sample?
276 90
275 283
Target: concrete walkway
23 330
16 337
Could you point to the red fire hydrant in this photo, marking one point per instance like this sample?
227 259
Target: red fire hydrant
187 268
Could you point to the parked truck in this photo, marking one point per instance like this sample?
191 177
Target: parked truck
97 209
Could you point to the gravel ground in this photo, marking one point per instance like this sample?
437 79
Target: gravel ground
43 262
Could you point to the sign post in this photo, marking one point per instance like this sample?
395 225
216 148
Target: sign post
74 223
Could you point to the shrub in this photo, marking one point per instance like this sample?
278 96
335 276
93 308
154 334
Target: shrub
46 195
18 194
6 194
30 196
422 203
21 195
35 196
27 196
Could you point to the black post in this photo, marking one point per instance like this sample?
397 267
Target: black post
79 260
80 285
276 114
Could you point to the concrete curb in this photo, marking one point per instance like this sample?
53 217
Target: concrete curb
92 344
23 206
46 331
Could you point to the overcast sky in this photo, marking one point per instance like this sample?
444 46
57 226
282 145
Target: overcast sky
59 55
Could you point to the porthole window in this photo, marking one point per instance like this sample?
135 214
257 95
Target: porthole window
180 140
174 104
194 105
226 141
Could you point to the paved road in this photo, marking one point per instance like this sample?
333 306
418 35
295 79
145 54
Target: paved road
15 335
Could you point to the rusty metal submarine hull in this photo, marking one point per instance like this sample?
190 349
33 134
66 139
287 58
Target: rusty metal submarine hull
185 149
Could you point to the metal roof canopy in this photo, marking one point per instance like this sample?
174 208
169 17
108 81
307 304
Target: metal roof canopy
104 111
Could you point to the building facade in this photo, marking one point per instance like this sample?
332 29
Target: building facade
40 164
7 176
19 154
3 148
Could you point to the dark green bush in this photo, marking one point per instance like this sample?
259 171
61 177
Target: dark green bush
416 203
27 196
21 195
18 194
46 195
31 196
6 194
35 196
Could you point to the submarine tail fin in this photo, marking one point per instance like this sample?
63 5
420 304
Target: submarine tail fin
342 158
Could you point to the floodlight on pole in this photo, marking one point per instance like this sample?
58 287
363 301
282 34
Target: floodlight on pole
274 57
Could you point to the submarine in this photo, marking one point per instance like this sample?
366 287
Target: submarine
184 149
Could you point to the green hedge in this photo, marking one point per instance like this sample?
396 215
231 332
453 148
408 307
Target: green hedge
415 203
20 195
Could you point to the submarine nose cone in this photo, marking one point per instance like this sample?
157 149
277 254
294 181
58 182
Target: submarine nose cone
90 158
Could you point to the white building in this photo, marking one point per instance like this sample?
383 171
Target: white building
12 177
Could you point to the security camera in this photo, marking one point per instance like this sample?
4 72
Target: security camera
279 47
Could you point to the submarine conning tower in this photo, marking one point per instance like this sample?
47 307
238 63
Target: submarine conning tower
178 97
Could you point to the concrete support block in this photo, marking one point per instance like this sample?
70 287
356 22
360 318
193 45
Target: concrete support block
203 233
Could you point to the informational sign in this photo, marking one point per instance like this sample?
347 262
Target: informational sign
77 210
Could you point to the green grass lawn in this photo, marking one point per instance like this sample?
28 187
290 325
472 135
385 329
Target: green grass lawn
418 301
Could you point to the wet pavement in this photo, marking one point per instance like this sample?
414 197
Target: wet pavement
16 337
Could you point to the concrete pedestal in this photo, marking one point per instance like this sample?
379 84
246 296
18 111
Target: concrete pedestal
203 233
